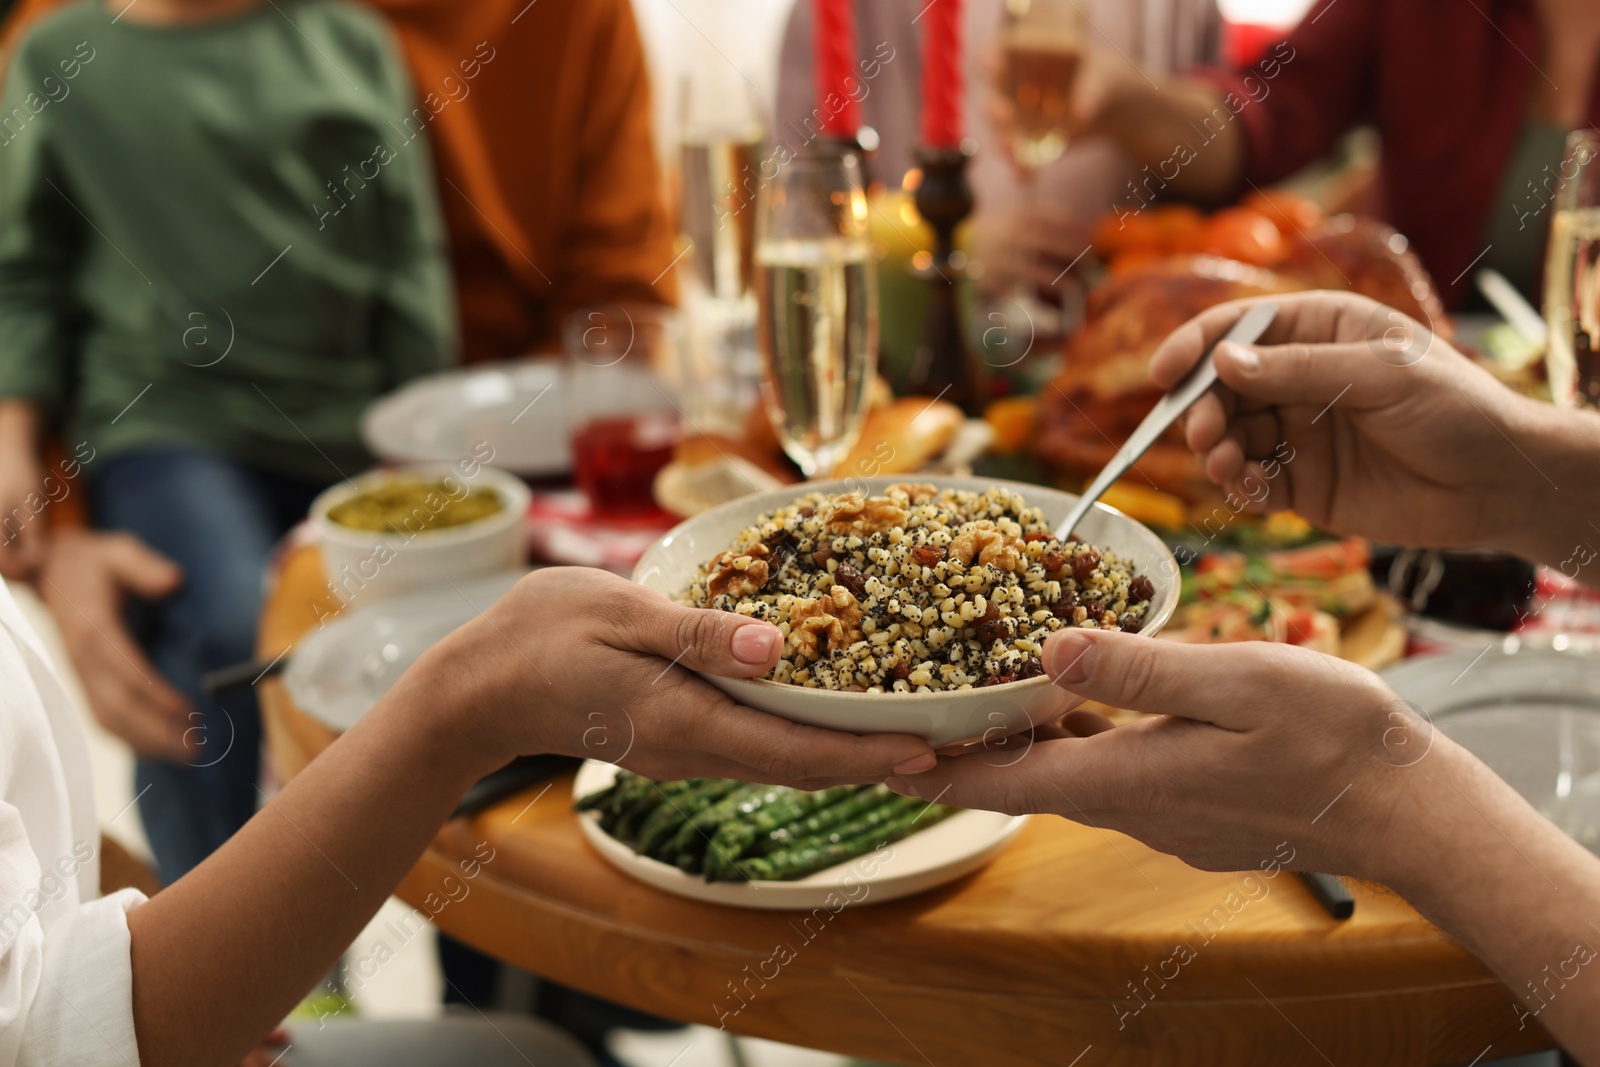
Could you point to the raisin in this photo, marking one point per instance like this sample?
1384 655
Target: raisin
1084 564
1036 537
1054 562
852 580
996 679
1130 624
1031 668
1141 588
927 555
782 545
900 672
1062 609
807 512
822 555
992 627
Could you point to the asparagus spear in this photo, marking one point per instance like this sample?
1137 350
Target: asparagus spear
878 813
808 859
797 804
611 811
868 821
736 835
640 802
600 797
688 848
857 801
668 817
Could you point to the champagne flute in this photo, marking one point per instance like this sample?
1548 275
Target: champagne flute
1043 48
818 301
1572 277
722 137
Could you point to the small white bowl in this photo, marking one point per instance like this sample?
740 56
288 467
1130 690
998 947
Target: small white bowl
943 718
364 565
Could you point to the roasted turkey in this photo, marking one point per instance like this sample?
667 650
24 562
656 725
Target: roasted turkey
1103 390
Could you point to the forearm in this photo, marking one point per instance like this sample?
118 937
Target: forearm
222 955
1482 864
1182 126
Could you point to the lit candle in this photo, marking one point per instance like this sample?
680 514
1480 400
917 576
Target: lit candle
833 35
942 83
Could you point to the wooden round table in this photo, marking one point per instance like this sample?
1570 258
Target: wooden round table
1076 947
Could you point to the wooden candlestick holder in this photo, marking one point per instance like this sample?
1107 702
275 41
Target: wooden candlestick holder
944 366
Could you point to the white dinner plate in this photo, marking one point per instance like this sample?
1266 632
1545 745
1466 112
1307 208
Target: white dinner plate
515 408
336 673
942 853
1531 714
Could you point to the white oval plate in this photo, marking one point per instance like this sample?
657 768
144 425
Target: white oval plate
336 673
942 853
1532 715
515 408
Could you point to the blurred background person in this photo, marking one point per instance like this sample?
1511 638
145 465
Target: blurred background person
533 123
539 118
1471 104
1033 211
207 271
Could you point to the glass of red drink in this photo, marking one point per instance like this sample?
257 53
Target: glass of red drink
625 419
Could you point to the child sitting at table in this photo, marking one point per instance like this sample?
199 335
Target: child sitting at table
210 263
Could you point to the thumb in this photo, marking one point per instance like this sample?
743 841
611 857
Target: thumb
140 568
701 639
1228 685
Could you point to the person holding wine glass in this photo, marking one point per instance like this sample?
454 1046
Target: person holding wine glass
1037 197
1472 103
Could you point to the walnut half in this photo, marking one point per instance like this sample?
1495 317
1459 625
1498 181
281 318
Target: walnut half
916 492
739 574
822 624
860 514
985 543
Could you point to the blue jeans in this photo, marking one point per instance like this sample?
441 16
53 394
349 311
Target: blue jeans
218 519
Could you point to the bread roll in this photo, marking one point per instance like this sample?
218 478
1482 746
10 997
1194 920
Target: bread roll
902 438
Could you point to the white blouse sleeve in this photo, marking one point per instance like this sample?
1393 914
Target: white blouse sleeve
66 975
66 993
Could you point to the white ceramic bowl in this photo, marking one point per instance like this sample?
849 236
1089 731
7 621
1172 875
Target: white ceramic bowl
363 566
944 718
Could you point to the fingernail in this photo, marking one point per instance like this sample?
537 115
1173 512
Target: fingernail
1246 360
917 764
754 644
1071 657
901 786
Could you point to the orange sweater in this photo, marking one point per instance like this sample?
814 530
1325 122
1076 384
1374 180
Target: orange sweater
539 117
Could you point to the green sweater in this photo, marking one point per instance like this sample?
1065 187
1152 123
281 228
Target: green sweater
202 241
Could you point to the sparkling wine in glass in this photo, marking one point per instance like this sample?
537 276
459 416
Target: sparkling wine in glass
1572 277
1043 45
817 295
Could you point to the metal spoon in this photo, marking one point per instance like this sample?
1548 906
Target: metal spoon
1246 331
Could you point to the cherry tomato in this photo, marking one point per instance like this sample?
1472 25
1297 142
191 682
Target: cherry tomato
1182 227
1245 235
1130 231
1288 211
